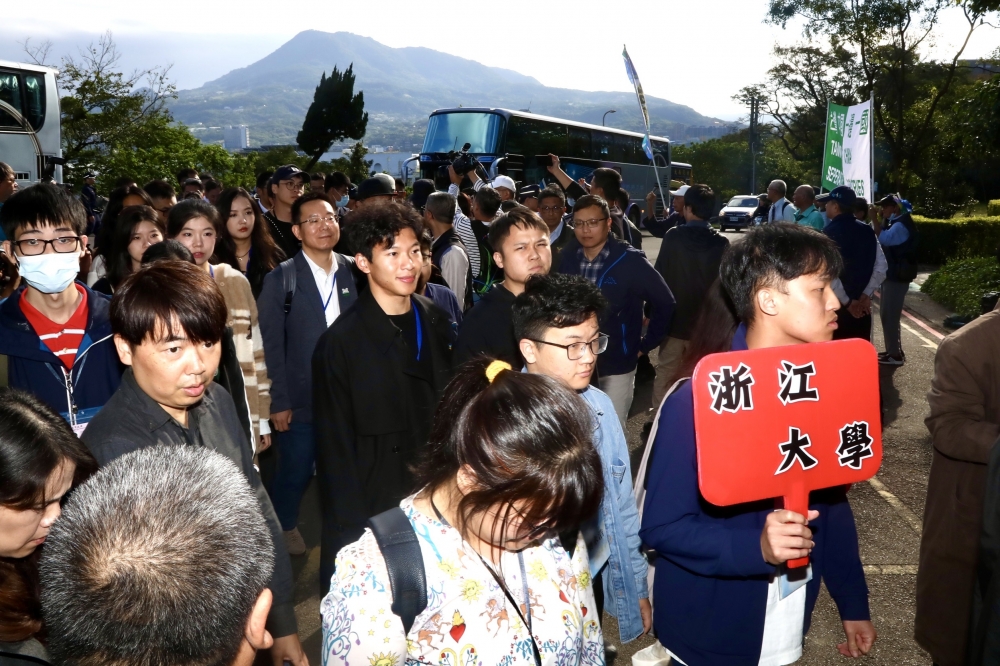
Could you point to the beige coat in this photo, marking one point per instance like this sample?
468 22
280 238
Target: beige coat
964 423
249 344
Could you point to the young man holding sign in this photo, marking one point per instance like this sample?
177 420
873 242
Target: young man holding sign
724 592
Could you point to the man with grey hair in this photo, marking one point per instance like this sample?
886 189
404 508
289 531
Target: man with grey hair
448 251
804 199
162 557
781 209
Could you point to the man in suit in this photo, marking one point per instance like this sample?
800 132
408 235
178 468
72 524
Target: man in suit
378 372
293 314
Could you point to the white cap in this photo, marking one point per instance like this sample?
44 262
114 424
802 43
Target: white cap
680 191
504 181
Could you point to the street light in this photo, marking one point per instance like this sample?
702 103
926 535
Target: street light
606 115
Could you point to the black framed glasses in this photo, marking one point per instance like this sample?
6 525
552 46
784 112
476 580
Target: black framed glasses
574 352
32 247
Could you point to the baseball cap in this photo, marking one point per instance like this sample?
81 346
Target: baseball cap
504 181
822 198
288 172
891 200
376 187
844 196
528 192
89 174
422 189
680 191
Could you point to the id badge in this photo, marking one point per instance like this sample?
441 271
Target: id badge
79 421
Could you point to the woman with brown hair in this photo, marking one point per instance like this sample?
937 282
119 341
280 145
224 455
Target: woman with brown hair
40 461
245 242
509 465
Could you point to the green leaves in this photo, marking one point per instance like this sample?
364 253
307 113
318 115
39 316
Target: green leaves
335 114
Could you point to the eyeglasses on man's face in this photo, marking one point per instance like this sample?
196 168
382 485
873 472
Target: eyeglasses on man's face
595 223
292 185
575 351
320 220
32 247
551 209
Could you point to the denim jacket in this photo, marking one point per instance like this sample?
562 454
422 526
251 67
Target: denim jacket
625 573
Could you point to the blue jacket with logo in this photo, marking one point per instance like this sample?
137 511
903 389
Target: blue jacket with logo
78 393
711 577
628 281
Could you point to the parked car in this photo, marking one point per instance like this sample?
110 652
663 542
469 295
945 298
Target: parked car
738 213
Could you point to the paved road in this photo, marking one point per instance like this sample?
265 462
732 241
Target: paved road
888 510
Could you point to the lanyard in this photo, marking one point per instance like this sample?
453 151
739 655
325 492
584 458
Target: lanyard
420 332
333 290
526 615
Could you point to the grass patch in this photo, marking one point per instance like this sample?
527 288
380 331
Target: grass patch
961 284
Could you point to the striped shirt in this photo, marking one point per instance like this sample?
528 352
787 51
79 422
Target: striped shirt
63 340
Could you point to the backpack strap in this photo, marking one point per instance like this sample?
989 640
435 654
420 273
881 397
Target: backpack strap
288 279
403 560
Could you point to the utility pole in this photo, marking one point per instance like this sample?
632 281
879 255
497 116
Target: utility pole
754 117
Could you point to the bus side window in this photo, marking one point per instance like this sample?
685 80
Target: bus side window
34 109
10 92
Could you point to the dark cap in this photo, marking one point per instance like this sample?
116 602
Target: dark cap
891 200
89 174
422 189
352 192
844 196
822 198
376 187
529 192
288 172
192 181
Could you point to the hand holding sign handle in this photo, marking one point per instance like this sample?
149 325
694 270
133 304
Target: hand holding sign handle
784 421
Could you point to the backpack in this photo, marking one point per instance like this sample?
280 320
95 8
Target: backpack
404 563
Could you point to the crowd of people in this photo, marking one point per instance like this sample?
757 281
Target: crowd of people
456 366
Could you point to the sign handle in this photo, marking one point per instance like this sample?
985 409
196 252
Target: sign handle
798 501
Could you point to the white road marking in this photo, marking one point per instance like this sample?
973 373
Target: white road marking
891 569
904 512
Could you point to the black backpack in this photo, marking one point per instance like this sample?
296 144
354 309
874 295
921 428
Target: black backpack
404 563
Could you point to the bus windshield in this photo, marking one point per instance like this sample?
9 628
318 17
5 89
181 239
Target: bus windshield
450 131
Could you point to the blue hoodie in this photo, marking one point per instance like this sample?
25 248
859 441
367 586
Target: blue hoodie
711 577
628 281
33 367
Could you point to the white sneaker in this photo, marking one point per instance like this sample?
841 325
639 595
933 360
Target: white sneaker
294 542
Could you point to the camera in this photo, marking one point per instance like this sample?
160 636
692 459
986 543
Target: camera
461 161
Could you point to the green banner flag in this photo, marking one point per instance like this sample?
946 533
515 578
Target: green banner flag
833 152
847 156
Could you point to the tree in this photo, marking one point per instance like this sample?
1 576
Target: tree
335 114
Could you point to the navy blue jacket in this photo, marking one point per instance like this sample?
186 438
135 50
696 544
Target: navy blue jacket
711 578
96 373
289 339
857 244
628 281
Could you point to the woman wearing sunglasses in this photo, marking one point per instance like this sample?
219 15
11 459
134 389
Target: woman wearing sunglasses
510 464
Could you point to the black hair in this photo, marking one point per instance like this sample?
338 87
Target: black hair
263 178
159 559
712 333
40 206
168 250
591 201
771 255
525 437
119 261
159 189
508 205
861 206
211 184
189 209
377 225
163 293
488 201
336 179
520 217
701 200
125 181
34 442
441 206
552 192
185 174
608 180
623 199
555 301
266 251
319 175
109 221
303 200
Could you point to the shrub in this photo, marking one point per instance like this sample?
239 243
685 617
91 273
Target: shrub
993 208
961 283
942 240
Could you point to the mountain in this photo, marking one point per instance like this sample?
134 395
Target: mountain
401 86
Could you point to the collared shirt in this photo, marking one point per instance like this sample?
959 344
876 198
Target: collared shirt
896 234
592 269
554 236
810 217
786 214
326 284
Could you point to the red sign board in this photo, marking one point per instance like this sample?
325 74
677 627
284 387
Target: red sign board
784 421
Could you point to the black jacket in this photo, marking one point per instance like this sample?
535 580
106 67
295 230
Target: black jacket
372 409
689 263
566 234
488 328
901 259
132 420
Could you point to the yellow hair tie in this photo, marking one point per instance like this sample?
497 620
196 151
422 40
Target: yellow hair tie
495 368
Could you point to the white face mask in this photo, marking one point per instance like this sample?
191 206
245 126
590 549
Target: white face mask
50 273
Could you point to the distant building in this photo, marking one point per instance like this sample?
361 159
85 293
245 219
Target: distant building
236 137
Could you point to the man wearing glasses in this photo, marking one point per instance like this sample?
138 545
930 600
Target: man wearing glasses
55 332
286 185
556 324
293 315
629 282
552 208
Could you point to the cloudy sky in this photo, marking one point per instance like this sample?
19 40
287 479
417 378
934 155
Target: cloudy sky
694 53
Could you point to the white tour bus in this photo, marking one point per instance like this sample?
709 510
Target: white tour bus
30 137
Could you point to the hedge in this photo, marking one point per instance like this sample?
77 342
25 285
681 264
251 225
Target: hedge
993 208
941 240
961 284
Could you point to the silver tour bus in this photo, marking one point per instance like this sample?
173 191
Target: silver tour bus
30 137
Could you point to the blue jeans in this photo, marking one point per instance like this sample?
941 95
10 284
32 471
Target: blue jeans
296 460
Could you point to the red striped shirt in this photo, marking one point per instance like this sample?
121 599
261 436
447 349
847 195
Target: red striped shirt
63 340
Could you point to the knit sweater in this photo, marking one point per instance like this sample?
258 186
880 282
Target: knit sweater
242 318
